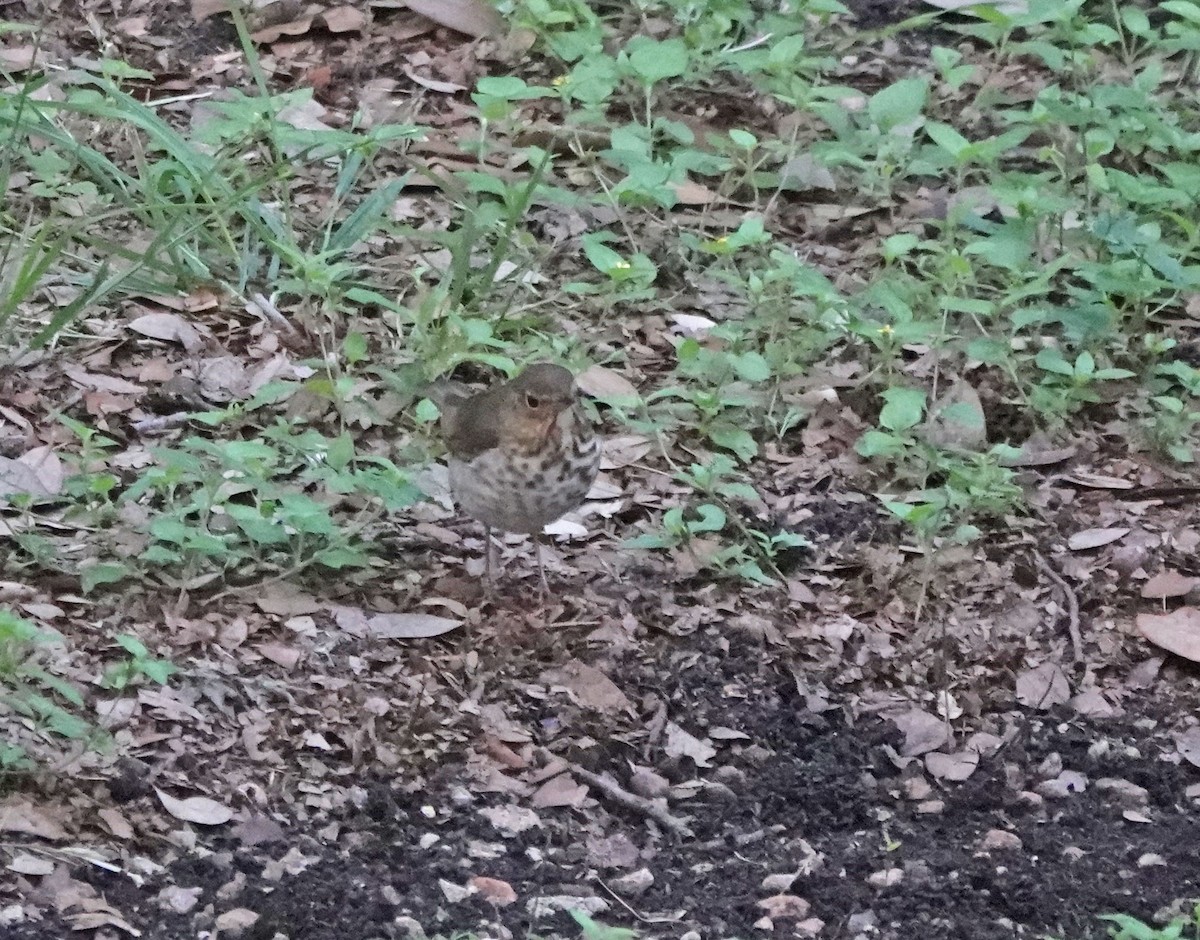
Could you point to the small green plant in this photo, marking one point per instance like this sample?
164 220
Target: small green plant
34 694
139 664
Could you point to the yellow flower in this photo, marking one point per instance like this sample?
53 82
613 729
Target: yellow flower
622 266
886 330
559 82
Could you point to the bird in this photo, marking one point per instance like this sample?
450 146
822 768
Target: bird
521 454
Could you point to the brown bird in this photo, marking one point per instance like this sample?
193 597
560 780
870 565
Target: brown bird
522 453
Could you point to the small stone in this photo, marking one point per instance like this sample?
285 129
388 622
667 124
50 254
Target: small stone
1127 793
930 807
764 923
862 920
1067 784
453 893
779 884
810 927
1028 796
885 878
236 920
1151 859
1073 853
1000 840
917 788
493 890
780 906
635 883
411 927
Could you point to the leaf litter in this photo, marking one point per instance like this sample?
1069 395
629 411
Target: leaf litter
700 735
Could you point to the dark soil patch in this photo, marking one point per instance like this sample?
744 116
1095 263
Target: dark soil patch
822 794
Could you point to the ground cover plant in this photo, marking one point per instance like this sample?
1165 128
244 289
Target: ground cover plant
882 617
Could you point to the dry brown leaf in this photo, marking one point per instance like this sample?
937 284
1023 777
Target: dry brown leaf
511 820
203 9
473 17
1043 687
1188 745
589 687
269 34
1097 481
691 193
624 450
195 809
682 744
1177 632
22 816
1168 584
923 731
559 791
169 327
344 19
116 822
1094 538
280 653
956 767
602 382
409 626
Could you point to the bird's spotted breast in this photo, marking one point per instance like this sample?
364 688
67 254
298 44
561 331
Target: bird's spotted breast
520 493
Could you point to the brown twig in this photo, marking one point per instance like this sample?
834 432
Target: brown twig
619 794
1071 600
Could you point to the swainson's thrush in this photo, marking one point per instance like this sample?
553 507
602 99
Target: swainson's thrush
522 453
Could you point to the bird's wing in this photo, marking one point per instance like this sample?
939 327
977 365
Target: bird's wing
468 431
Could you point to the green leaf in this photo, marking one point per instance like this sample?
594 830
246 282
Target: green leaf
132 645
900 103
652 61
712 519
734 439
354 348
948 139
903 408
101 573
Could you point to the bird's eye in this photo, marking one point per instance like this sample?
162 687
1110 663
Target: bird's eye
532 401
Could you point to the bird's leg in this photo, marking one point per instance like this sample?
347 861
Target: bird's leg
537 551
487 556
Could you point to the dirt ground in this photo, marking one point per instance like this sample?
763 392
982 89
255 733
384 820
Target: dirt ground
843 756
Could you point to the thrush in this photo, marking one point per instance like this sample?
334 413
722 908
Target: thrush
521 454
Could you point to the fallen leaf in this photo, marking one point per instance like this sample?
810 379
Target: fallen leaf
409 626
1177 632
559 791
473 17
682 744
195 809
1094 538
923 732
22 816
589 687
169 327
511 820
956 767
602 382
25 864
1188 745
1168 583
1043 687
